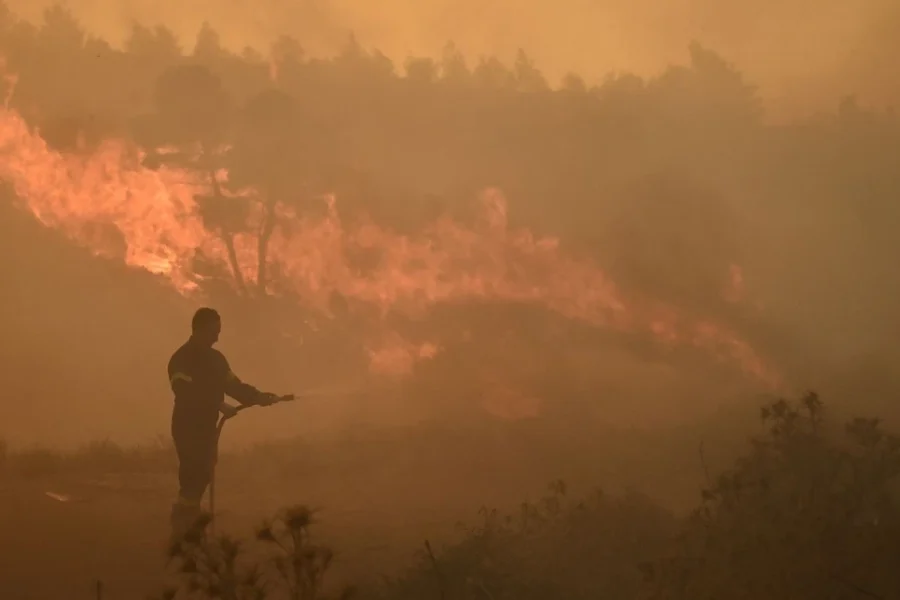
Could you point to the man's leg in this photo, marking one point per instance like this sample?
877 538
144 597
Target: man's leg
196 453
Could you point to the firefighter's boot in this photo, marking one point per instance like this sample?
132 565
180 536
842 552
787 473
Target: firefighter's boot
184 516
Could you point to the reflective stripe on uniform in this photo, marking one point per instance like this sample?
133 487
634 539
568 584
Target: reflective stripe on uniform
180 377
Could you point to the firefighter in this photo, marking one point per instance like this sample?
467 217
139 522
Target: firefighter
200 377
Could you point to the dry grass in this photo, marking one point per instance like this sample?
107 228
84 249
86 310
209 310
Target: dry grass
809 510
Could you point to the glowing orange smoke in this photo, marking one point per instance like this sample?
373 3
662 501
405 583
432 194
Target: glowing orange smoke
11 80
503 401
110 203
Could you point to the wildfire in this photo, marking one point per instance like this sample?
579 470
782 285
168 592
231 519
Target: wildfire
110 203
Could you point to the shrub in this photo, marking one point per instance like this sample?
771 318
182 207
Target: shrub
554 548
809 512
288 565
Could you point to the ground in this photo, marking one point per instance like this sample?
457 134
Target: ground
382 497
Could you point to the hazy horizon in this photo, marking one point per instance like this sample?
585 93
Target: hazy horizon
777 44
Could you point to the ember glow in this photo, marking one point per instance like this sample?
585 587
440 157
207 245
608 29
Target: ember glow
108 202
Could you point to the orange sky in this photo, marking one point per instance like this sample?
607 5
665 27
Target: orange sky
801 58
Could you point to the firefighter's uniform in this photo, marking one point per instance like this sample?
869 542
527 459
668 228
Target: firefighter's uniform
200 377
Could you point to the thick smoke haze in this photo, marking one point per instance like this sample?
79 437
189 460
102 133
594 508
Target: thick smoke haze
802 56
764 249
490 244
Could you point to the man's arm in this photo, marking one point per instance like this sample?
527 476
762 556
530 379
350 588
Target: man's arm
244 393
180 379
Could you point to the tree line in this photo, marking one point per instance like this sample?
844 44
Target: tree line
664 181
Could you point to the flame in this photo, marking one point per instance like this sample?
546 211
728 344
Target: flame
108 202
397 357
106 193
735 290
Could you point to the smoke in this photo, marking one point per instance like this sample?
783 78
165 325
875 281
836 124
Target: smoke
802 60
801 57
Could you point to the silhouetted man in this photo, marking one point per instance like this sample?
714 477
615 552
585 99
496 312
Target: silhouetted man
201 378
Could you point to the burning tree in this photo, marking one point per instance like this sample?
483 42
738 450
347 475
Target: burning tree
269 155
190 128
257 157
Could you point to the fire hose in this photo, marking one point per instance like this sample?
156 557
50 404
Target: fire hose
237 410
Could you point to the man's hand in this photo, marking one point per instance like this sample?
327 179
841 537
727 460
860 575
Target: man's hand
267 399
227 410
